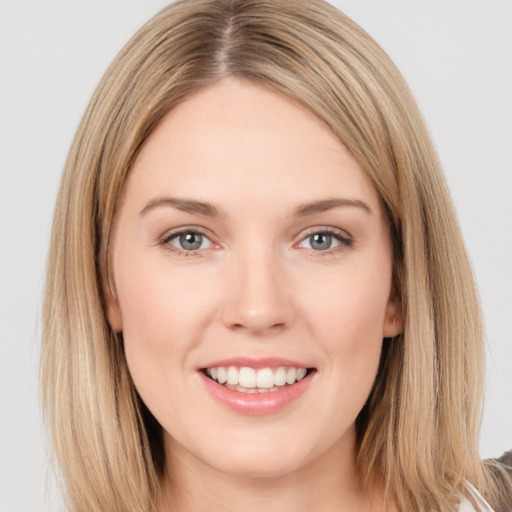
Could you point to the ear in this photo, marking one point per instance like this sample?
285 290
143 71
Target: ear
114 316
393 321
113 312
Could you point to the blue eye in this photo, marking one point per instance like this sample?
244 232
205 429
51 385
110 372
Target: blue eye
188 241
325 241
191 241
320 241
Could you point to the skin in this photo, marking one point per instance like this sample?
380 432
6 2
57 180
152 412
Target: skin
256 288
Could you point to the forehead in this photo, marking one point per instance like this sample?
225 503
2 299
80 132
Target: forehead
239 139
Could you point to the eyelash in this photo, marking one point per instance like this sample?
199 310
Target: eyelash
346 241
166 239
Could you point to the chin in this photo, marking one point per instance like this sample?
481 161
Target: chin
264 467
265 458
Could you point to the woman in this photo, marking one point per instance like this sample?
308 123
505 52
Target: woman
257 293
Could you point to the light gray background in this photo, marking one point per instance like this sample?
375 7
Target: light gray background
457 58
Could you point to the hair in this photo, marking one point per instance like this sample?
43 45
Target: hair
419 428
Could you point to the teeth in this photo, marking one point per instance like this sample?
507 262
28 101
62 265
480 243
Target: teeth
280 377
265 378
250 380
221 374
232 375
291 375
301 373
247 377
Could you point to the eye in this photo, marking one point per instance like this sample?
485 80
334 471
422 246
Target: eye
187 241
325 240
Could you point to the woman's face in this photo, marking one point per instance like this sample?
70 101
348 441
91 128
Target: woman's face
251 247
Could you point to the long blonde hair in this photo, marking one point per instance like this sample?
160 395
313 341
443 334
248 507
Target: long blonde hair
419 428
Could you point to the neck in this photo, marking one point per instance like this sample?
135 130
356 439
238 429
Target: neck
329 482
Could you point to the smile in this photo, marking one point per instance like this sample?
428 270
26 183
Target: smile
256 387
251 380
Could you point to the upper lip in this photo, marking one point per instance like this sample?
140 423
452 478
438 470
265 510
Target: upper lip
262 362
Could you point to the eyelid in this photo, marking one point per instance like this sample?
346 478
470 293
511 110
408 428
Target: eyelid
165 239
345 238
342 233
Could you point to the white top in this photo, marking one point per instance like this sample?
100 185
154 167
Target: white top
482 505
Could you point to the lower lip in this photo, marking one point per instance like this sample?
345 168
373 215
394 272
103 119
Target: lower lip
256 404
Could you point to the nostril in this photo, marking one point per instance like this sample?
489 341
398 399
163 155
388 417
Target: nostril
258 326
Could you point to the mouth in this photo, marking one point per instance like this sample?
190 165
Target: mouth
245 379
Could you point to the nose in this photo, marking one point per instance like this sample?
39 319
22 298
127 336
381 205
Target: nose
258 299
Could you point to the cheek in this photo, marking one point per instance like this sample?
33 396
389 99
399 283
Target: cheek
349 307
160 301
164 317
346 317
164 314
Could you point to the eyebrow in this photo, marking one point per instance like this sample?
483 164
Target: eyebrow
208 209
185 205
323 205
